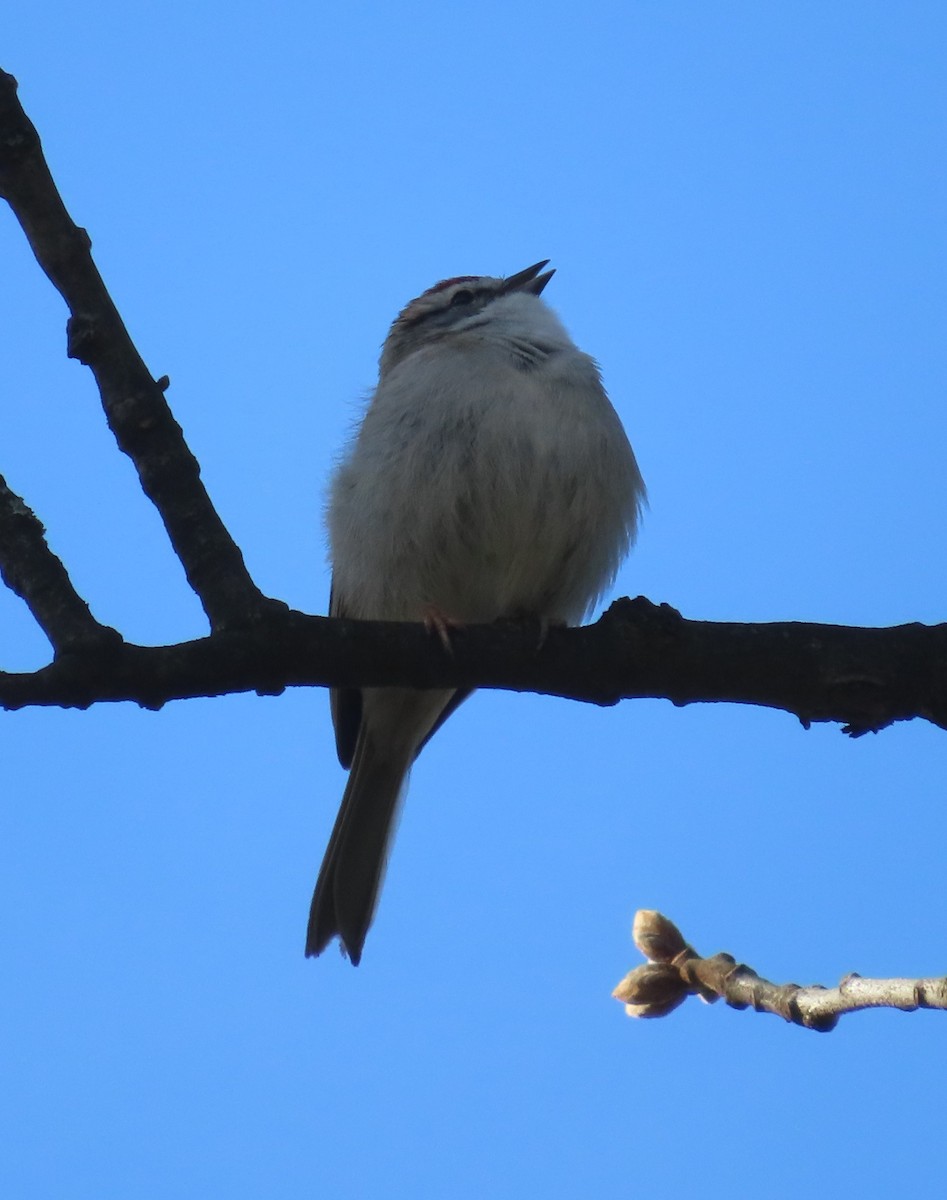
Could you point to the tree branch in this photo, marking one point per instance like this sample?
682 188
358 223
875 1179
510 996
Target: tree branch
133 401
865 679
30 569
675 971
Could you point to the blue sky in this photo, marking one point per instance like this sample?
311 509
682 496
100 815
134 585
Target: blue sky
745 204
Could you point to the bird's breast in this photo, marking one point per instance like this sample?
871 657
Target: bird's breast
484 485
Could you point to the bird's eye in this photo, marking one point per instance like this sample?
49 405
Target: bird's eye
462 297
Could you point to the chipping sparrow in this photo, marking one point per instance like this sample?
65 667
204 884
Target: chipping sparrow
490 478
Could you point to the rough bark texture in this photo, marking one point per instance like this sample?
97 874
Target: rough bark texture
133 401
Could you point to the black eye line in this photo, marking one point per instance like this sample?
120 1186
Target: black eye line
471 296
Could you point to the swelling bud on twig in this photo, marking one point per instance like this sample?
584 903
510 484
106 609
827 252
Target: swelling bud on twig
656 937
651 990
676 970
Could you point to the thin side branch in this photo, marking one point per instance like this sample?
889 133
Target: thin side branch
675 971
133 401
30 569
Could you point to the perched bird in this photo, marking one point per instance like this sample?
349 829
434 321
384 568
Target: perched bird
490 478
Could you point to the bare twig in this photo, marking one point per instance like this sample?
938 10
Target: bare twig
675 971
133 401
29 568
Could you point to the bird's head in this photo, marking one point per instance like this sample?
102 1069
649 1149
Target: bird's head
453 305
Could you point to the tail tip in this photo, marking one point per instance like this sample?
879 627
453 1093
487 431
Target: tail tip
350 950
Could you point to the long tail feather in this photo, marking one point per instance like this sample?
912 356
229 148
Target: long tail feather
352 871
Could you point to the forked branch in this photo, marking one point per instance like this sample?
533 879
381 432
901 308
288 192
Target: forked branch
865 679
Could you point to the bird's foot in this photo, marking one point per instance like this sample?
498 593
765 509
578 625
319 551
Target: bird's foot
438 622
530 622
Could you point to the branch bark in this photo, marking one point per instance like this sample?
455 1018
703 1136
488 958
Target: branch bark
864 679
133 401
675 971
30 569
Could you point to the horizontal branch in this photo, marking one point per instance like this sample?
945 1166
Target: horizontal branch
864 679
133 401
675 971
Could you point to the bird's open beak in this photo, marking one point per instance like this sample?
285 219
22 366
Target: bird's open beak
529 280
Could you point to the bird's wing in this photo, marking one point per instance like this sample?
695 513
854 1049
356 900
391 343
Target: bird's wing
451 706
345 704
